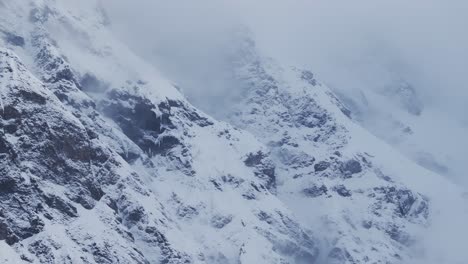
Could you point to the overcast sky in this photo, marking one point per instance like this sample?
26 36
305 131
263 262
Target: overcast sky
350 44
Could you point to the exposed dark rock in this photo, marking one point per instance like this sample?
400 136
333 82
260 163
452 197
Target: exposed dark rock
321 166
10 112
36 225
187 211
309 77
7 185
231 180
169 255
32 97
13 230
101 254
130 156
59 204
6 234
83 197
249 195
264 168
265 217
216 185
3 230
367 224
315 191
57 67
142 116
154 231
346 111
220 221
135 215
254 159
65 146
165 144
140 122
72 143
95 190
407 203
342 190
42 250
312 119
66 74
350 167
113 205
405 200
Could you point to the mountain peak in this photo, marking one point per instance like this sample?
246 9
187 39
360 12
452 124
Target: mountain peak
104 160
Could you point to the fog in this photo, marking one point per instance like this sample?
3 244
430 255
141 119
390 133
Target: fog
350 45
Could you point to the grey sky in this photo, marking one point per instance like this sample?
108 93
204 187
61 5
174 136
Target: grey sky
348 43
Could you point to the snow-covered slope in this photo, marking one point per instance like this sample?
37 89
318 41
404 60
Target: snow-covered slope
427 134
372 203
104 161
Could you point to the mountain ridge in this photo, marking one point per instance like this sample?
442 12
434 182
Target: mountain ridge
111 164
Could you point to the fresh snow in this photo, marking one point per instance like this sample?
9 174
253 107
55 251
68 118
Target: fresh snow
202 200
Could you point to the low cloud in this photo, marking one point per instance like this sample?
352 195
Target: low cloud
351 45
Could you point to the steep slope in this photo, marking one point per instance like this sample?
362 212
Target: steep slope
371 203
426 134
103 161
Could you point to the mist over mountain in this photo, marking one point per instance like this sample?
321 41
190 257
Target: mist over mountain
309 132
359 49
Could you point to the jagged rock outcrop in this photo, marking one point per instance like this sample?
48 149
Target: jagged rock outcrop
103 160
100 171
322 169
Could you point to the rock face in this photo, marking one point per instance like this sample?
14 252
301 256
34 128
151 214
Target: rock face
343 182
102 160
103 170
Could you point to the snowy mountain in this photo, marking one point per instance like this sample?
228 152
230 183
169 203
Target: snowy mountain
103 160
427 135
